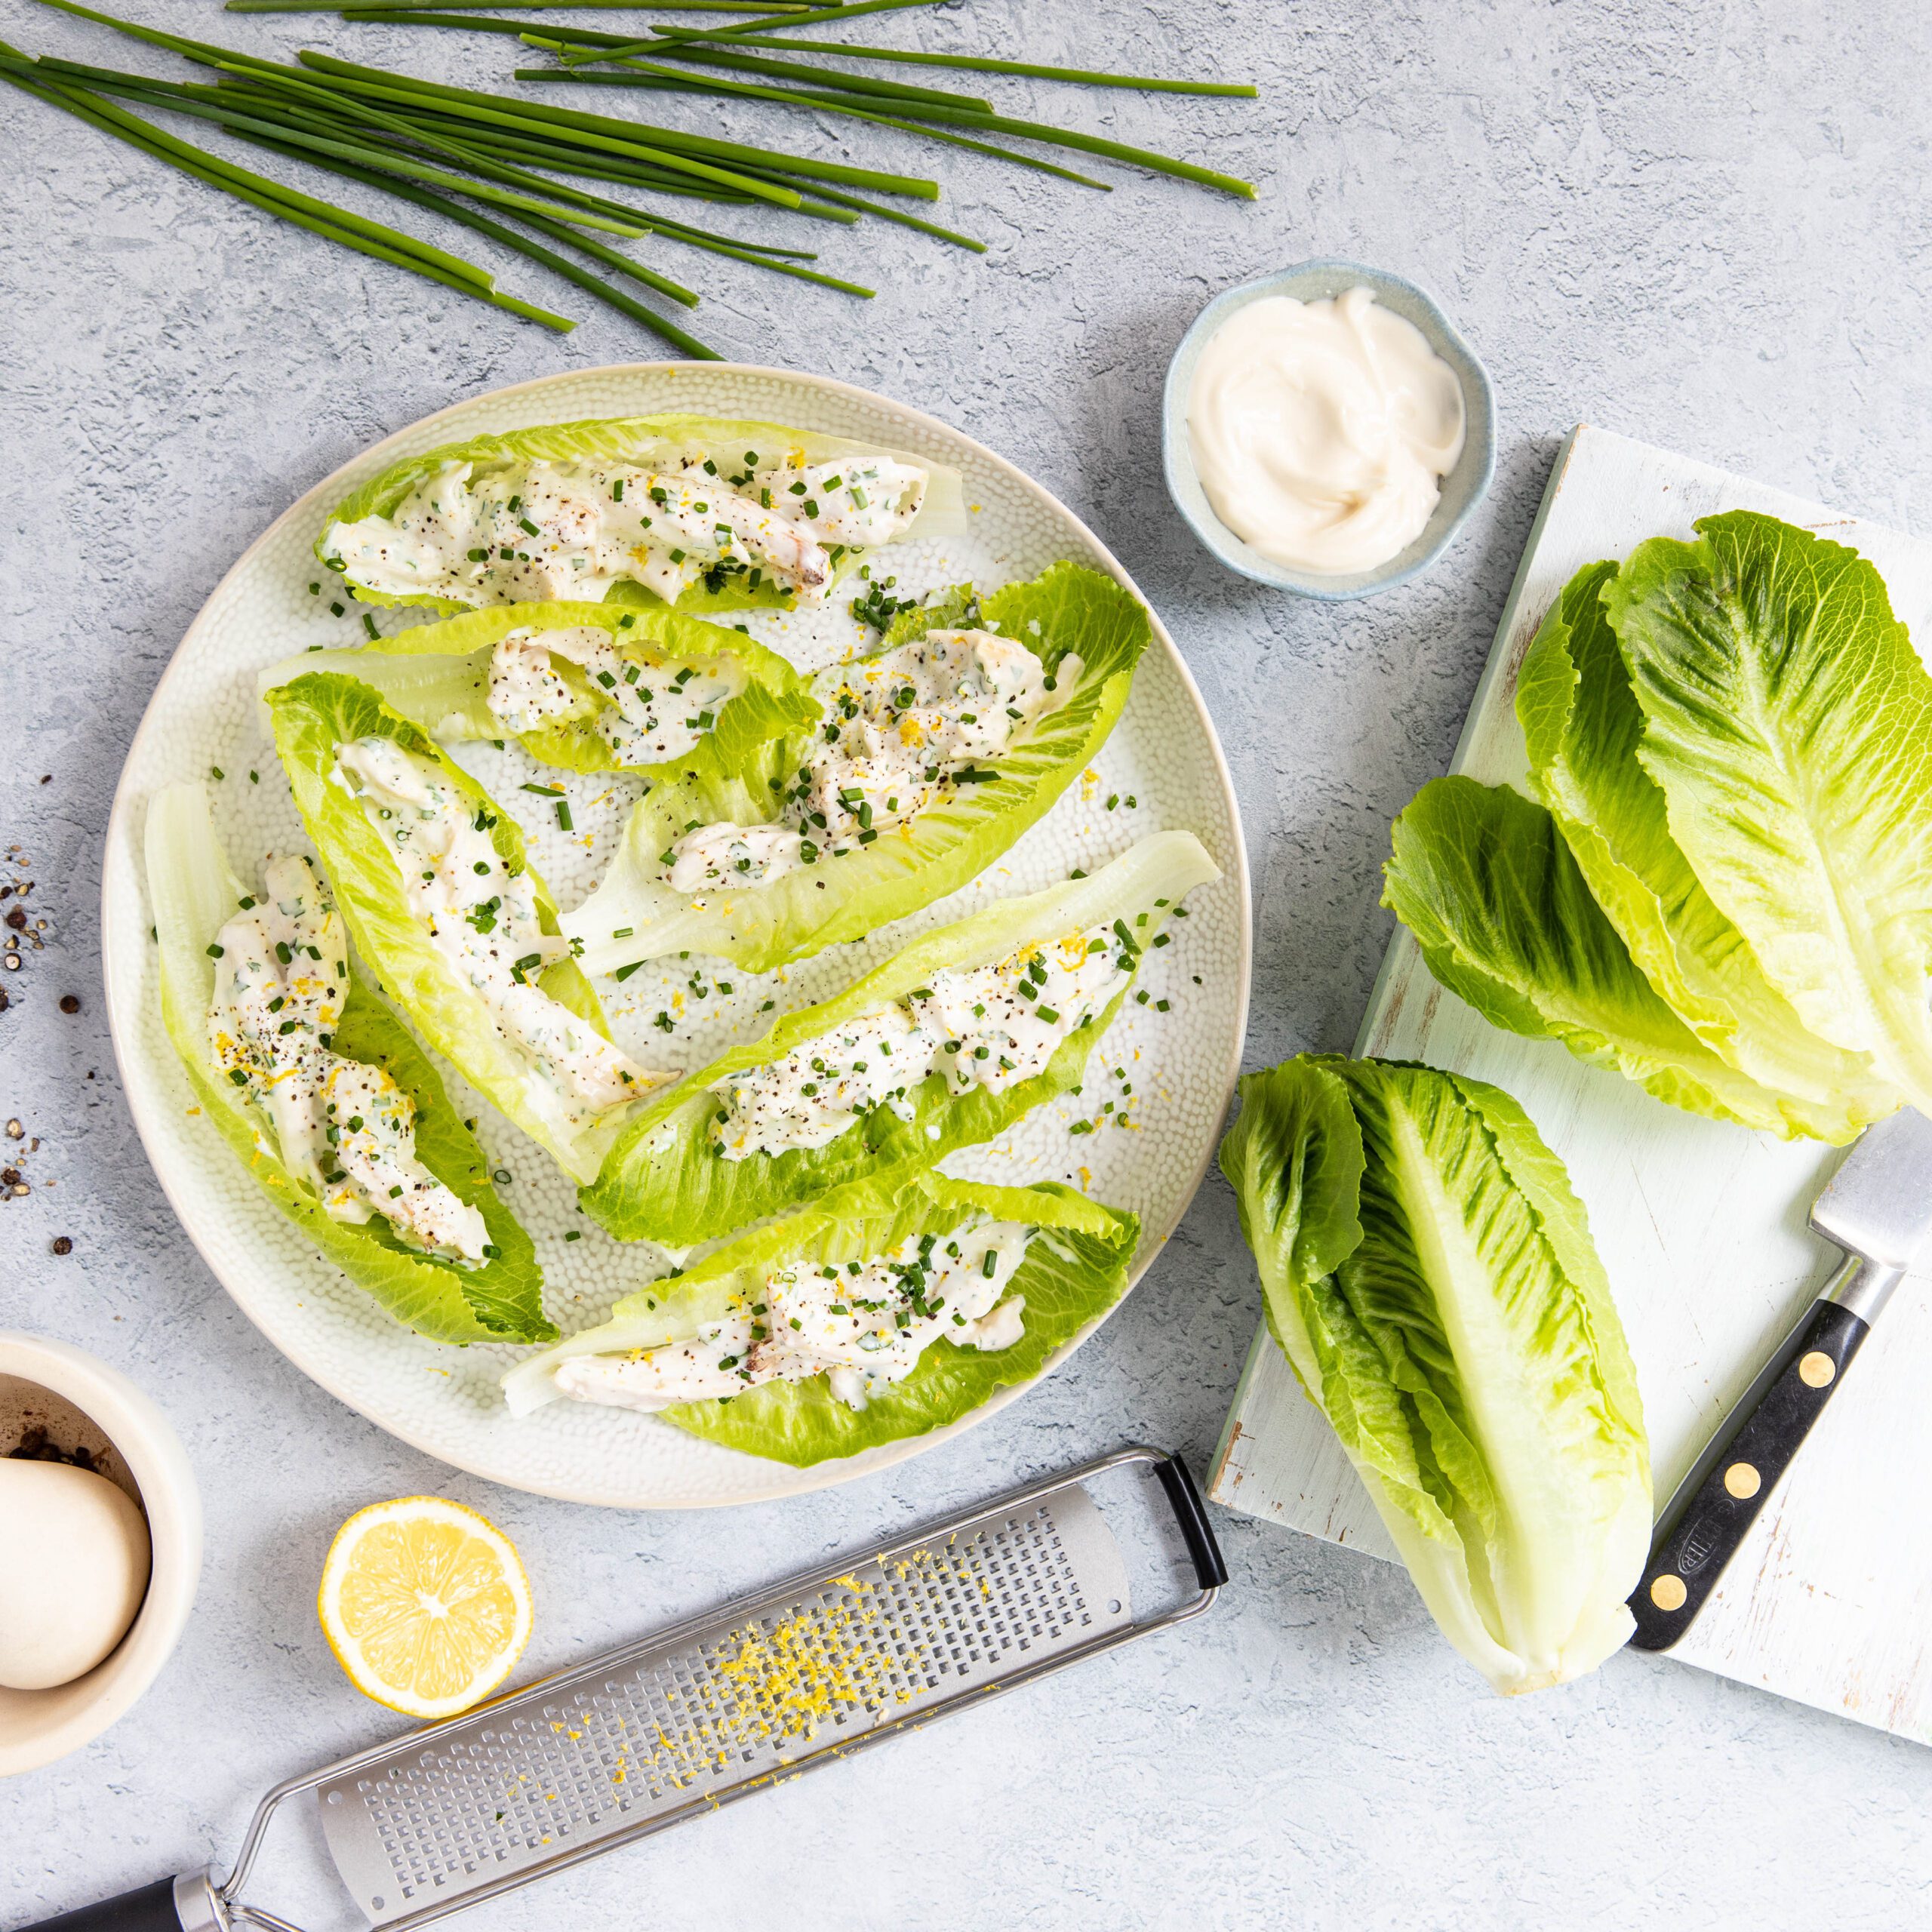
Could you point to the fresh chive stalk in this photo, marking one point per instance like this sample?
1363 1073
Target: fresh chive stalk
616 259
932 228
971 63
824 15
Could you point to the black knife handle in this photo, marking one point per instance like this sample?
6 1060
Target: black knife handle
1758 1442
150 1910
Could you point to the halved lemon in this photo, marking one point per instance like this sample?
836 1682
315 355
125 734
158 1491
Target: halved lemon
425 1604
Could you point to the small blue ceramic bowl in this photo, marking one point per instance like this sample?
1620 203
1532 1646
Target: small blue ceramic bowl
1463 488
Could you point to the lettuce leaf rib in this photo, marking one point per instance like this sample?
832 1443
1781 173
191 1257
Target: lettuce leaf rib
193 893
666 1181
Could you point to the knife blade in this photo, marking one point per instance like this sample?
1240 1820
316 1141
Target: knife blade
1876 1209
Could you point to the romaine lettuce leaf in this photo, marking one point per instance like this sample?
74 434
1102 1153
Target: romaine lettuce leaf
438 676
1787 723
642 440
1482 878
193 893
665 1180
1074 1272
1069 609
314 716
1429 1275
1585 731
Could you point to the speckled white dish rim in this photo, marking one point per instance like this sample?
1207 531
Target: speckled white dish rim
443 1400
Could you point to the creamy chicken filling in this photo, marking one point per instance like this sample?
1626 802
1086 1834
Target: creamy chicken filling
985 1026
862 1325
344 1126
480 915
529 532
902 731
646 713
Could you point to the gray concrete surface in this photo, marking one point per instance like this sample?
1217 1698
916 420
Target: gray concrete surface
1701 222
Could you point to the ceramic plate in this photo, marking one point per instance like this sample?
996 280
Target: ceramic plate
1161 768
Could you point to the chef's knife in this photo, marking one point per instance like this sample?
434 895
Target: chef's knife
1878 1208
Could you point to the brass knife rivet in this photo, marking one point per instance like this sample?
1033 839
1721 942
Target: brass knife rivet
1668 1593
1816 1369
1742 1481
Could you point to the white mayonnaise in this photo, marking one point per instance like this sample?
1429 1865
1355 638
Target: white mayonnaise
1322 430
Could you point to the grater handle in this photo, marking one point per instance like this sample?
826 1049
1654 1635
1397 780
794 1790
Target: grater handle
1210 1567
150 1910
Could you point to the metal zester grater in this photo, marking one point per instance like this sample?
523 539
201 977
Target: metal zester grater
680 1723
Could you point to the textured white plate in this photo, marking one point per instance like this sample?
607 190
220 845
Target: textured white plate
203 717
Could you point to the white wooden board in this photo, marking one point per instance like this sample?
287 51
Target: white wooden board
1701 1224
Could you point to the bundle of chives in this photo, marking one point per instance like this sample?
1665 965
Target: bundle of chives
427 142
697 156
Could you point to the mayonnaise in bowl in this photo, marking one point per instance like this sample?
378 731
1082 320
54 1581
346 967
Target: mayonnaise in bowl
1320 431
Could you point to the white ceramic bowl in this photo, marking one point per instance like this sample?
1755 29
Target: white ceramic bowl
36 1727
1464 487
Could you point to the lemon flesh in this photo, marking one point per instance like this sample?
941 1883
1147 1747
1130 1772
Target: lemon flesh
425 1604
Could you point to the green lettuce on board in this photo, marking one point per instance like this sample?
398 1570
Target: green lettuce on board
1585 732
193 894
635 914
1788 723
313 716
1428 1273
1075 1268
1482 878
646 441
667 1180
438 676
